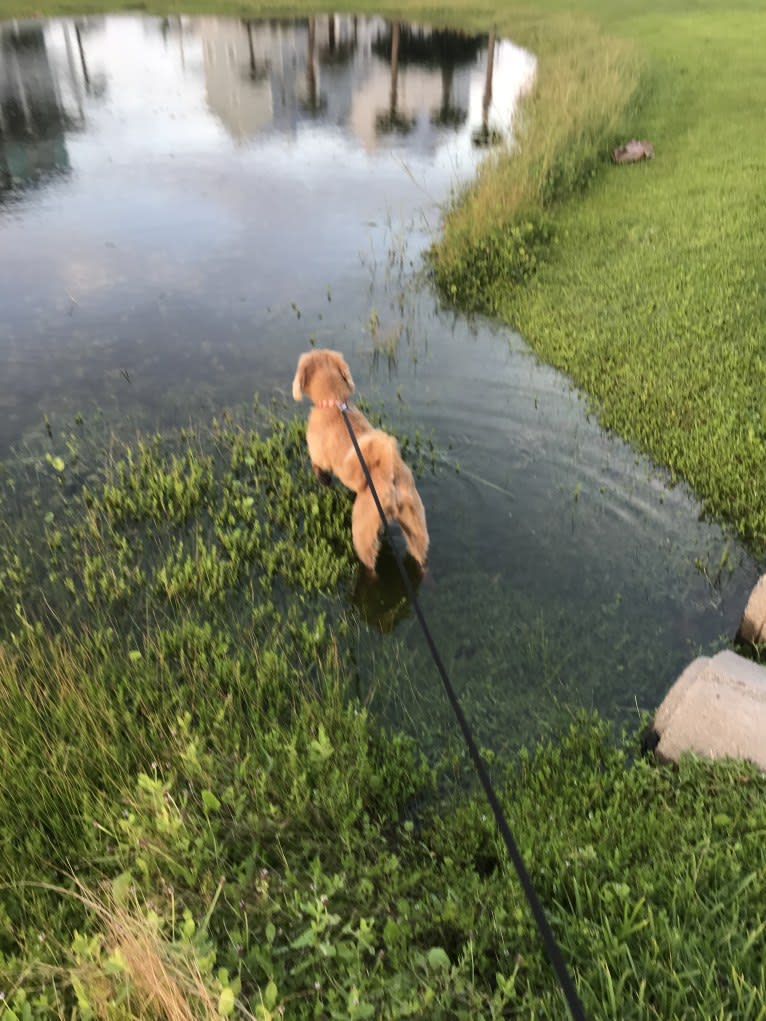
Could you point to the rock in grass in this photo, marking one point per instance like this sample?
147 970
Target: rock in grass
752 627
716 709
633 151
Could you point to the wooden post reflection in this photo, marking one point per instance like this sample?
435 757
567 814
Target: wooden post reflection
394 66
392 120
76 88
311 79
487 98
85 74
249 26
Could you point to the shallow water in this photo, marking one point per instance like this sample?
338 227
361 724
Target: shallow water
187 204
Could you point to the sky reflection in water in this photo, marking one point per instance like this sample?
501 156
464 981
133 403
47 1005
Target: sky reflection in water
172 187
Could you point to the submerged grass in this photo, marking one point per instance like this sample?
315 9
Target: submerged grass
198 820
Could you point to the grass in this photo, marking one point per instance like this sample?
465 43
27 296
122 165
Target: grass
198 820
660 300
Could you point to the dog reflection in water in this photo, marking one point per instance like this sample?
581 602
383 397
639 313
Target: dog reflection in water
325 378
381 599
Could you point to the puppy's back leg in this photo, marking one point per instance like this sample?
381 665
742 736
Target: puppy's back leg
412 519
323 476
365 529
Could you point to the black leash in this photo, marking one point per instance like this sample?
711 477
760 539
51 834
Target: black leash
549 940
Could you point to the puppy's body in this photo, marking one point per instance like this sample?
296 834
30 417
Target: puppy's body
325 377
396 491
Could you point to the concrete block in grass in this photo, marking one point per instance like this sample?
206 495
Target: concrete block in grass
716 709
752 627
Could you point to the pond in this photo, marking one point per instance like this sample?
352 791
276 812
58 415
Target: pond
186 204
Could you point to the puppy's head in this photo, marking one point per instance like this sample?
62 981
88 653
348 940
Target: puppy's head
322 375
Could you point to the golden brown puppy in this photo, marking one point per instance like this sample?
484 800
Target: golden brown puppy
325 378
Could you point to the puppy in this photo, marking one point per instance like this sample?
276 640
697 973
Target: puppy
325 378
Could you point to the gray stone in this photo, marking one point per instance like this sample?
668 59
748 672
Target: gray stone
633 151
716 709
752 627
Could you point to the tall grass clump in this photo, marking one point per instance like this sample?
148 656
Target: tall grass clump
499 226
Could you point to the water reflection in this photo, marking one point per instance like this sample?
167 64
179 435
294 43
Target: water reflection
44 83
483 135
382 600
440 50
187 151
33 118
364 75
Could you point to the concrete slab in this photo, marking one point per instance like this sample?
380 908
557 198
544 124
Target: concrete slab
752 627
716 709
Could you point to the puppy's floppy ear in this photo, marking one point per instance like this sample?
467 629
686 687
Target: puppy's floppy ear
300 376
343 368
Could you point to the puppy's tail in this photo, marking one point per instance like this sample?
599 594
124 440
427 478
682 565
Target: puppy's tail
411 516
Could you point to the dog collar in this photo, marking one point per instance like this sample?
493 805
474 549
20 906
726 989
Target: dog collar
328 404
